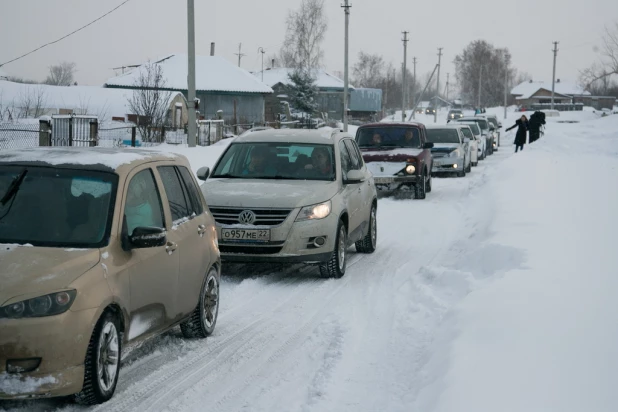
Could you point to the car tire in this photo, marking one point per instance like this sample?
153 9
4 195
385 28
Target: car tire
203 320
469 168
429 183
105 342
420 187
369 242
475 164
336 265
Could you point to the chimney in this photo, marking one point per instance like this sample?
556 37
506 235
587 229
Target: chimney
212 48
273 64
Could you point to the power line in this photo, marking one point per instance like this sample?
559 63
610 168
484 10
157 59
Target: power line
70 34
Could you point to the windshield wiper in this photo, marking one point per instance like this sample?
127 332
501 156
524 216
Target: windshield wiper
13 187
224 175
278 177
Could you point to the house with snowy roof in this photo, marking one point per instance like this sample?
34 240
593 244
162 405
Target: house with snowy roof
532 93
19 100
330 90
220 86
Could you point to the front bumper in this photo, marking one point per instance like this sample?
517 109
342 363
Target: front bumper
60 342
291 241
447 165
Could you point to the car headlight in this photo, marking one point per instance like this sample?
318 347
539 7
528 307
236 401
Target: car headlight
410 169
315 212
454 153
47 305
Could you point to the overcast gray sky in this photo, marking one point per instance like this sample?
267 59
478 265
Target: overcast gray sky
146 29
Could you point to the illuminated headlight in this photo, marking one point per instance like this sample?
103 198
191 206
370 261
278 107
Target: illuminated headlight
455 166
410 169
47 305
315 212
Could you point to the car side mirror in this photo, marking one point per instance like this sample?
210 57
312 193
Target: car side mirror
354 176
147 237
428 145
203 172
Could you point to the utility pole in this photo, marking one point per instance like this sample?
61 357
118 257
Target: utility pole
192 127
447 78
403 77
261 50
414 88
435 115
480 82
506 81
553 81
346 9
239 54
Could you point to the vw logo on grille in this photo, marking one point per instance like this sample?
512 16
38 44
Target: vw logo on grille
247 217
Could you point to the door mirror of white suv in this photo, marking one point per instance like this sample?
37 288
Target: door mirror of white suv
354 176
202 173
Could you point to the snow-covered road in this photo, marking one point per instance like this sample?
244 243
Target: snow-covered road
400 331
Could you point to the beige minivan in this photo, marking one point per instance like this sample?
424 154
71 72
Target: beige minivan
99 248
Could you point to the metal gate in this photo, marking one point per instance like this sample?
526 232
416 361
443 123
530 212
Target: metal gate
72 130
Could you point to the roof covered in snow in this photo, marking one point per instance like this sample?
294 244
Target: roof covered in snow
98 101
324 80
212 74
527 89
112 158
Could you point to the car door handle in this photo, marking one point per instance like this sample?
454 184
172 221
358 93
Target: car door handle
201 230
171 247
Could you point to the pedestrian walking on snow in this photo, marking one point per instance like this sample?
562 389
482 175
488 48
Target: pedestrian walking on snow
522 131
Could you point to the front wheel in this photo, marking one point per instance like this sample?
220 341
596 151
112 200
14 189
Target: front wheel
429 183
202 322
336 265
102 362
368 243
469 168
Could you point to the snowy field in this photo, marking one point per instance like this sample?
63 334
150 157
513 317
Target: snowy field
496 293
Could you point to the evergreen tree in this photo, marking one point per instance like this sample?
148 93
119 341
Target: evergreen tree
303 91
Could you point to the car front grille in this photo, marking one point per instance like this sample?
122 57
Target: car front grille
258 249
263 217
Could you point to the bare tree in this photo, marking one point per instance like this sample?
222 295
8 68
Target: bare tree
61 74
368 71
84 108
602 71
305 32
480 64
150 101
32 102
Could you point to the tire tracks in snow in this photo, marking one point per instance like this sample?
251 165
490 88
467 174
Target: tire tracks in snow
165 384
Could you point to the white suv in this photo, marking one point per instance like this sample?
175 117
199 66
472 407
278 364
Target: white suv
292 196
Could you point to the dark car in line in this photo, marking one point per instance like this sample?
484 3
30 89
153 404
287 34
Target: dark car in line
399 157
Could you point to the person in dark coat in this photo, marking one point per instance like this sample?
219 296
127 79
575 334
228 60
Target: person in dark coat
522 130
537 120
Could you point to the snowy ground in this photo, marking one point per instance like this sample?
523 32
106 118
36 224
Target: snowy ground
496 293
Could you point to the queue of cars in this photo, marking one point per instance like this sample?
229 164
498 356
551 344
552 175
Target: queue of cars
128 245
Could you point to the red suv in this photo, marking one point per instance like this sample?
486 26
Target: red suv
399 157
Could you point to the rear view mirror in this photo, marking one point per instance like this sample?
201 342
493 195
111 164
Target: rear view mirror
147 237
203 173
428 145
354 176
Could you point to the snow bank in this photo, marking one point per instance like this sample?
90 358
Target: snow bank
543 336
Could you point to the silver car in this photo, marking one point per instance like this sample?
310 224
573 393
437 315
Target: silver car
451 150
292 196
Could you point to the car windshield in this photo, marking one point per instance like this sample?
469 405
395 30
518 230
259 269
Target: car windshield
270 160
442 136
378 137
467 133
475 128
482 124
51 207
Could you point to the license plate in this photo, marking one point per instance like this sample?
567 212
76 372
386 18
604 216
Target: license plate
262 235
